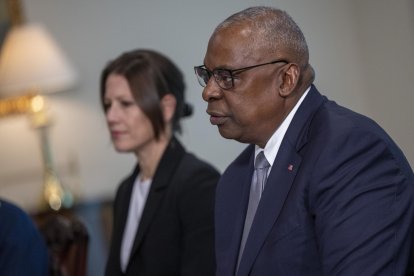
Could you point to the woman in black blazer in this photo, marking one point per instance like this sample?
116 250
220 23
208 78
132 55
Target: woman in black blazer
163 212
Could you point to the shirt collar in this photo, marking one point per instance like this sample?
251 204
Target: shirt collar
273 145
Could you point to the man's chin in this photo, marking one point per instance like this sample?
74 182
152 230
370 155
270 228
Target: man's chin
233 135
227 134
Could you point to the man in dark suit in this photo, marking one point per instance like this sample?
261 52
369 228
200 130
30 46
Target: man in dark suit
22 248
338 199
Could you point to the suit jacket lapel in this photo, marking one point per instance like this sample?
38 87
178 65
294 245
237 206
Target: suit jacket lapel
163 175
274 195
280 179
233 214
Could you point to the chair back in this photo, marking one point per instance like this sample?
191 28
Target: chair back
67 240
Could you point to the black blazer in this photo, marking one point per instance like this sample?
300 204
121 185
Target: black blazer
176 232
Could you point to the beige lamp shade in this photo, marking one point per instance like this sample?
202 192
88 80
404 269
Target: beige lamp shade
31 60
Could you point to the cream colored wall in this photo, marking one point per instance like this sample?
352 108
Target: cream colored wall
346 51
386 37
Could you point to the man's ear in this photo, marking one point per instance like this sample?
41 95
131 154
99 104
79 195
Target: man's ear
290 78
168 104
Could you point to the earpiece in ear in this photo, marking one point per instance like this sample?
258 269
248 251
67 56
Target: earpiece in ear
187 110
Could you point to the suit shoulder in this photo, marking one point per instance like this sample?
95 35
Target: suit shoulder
12 214
191 162
337 130
193 174
335 122
19 226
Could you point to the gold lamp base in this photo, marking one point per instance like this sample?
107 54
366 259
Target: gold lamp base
55 196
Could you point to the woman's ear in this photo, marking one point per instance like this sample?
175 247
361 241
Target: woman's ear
290 78
168 104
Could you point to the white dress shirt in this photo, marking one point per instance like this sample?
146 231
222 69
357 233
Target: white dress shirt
136 206
272 146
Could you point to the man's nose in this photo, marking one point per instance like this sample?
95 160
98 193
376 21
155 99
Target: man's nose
212 91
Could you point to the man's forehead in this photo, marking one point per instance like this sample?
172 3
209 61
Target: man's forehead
230 46
238 30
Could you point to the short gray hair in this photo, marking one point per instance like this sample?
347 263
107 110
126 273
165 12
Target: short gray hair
273 30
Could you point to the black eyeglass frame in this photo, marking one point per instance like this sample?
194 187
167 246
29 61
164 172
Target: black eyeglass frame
232 73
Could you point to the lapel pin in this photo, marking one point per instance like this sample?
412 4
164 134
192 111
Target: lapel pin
290 167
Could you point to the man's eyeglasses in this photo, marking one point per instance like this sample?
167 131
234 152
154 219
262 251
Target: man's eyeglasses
224 77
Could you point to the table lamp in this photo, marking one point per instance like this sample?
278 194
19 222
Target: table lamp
32 64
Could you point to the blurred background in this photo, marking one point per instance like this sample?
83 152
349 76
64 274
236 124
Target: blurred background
362 52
